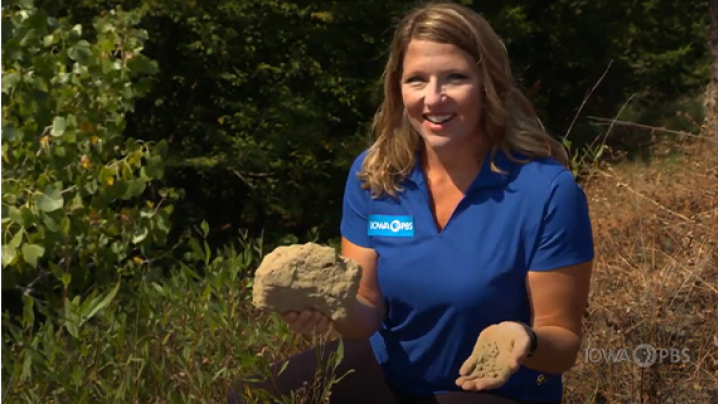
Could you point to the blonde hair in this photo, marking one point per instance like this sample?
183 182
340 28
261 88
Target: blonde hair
509 120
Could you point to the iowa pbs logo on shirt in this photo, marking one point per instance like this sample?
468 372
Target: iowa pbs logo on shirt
391 226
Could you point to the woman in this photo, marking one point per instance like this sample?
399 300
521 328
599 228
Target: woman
463 218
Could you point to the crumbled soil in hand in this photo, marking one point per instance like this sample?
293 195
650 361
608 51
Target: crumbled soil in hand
492 353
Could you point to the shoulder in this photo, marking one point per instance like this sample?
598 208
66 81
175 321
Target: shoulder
540 175
356 167
544 170
358 162
355 184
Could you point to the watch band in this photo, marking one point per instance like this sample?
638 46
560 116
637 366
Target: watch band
532 336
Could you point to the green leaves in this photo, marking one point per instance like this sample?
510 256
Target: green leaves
10 81
135 188
122 340
74 185
9 253
50 200
94 306
58 126
31 253
8 131
48 40
139 235
81 52
142 65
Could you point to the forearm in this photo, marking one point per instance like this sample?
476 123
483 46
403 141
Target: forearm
363 320
556 351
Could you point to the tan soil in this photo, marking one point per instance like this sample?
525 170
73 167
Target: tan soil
300 276
491 356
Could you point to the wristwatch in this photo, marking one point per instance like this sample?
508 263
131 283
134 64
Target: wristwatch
532 337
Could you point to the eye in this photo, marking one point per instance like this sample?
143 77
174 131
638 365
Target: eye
457 77
413 79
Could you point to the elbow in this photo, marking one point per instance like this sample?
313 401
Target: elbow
558 350
557 364
571 356
568 363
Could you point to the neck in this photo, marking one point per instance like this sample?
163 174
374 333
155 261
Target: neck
454 161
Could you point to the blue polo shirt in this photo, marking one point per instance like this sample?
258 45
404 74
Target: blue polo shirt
441 288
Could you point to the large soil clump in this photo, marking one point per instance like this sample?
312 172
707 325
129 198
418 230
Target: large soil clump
299 276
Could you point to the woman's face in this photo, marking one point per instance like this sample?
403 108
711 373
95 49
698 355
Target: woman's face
442 93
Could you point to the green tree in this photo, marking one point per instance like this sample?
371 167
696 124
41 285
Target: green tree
81 205
264 103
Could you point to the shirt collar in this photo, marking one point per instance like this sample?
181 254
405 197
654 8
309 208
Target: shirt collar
486 178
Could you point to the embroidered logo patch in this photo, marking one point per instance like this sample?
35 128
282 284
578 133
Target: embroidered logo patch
391 226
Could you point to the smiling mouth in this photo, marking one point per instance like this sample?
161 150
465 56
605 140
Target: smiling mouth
433 118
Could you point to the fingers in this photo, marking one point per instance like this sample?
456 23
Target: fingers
507 344
478 384
307 321
475 383
290 316
468 366
323 325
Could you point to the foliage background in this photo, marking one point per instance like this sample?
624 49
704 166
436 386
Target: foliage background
262 99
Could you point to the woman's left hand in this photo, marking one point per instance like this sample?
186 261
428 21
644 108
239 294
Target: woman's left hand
499 352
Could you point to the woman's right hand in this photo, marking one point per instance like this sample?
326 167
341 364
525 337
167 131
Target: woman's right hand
307 321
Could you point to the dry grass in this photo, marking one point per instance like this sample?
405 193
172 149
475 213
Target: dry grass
655 280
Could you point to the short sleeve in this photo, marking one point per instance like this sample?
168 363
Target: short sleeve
355 208
564 235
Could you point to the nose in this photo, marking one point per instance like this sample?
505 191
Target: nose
434 93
